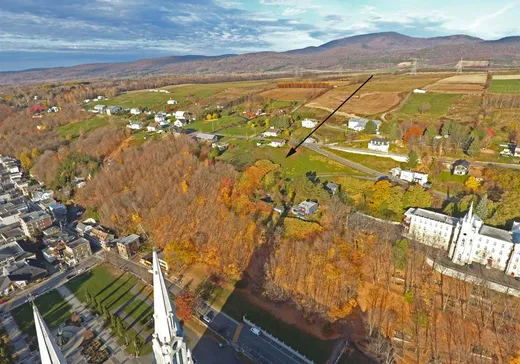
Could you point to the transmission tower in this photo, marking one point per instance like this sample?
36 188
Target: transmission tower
459 66
413 71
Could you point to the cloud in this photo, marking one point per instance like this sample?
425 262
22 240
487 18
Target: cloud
293 11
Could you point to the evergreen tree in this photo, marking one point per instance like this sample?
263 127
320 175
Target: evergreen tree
394 133
370 127
413 159
474 147
431 132
482 207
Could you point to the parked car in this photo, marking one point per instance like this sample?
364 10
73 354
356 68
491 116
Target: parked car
255 331
208 317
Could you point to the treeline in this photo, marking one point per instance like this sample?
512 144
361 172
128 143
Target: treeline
308 84
501 101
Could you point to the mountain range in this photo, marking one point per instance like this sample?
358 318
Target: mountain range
356 53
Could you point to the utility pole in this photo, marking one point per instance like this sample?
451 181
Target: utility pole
459 66
414 67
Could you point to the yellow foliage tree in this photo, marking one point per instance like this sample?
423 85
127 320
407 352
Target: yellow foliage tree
26 161
184 186
342 310
472 183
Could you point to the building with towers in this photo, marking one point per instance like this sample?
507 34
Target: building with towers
168 343
467 240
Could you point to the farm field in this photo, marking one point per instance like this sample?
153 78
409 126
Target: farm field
246 152
510 86
391 83
440 103
466 83
366 104
291 94
52 307
506 77
207 126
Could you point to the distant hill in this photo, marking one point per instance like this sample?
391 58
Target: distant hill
361 52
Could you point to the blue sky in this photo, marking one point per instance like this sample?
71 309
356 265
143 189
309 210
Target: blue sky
36 33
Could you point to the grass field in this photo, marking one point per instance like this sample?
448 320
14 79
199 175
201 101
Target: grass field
505 86
377 163
75 129
246 152
52 307
439 102
206 126
317 350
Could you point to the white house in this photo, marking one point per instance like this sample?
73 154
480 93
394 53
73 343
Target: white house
100 97
359 124
183 115
272 132
378 144
135 111
277 143
53 109
309 123
205 137
180 123
172 102
152 127
99 108
410 176
159 118
164 91
135 125
419 91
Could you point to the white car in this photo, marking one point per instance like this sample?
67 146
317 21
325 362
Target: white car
255 331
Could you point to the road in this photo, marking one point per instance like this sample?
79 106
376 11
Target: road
51 282
262 348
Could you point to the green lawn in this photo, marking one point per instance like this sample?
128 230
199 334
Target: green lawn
246 152
277 104
243 130
377 163
440 103
314 348
505 87
53 308
75 129
206 126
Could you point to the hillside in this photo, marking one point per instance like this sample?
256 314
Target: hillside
362 52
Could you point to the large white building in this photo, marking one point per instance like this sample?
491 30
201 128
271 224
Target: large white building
467 240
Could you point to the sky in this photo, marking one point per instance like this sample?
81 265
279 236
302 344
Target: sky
51 33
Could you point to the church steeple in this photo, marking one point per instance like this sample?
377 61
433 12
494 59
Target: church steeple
168 343
49 351
469 215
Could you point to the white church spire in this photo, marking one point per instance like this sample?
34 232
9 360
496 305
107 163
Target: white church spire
49 351
168 342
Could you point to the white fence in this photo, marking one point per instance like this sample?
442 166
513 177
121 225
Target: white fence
279 342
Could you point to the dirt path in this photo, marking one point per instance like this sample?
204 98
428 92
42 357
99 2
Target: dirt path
397 107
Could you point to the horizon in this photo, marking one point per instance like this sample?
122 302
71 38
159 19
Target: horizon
49 35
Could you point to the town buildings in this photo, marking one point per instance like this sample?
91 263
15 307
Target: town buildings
128 246
35 221
466 240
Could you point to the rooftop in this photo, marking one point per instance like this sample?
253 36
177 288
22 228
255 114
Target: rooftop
35 215
78 242
496 233
129 239
432 215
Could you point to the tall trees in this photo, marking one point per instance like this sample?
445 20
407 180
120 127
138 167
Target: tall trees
412 160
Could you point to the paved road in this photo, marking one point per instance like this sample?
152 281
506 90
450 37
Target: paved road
51 282
266 350
206 349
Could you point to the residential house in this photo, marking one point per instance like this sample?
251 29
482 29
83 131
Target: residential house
99 108
307 208
128 245
135 111
180 123
22 272
159 118
13 252
410 176
112 110
172 102
10 235
277 143
332 188
272 132
83 228
221 146
379 144
101 237
53 109
58 210
35 221
100 97
204 137
309 123
183 115
419 91
152 127
460 167
135 125
39 195
76 251
359 124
